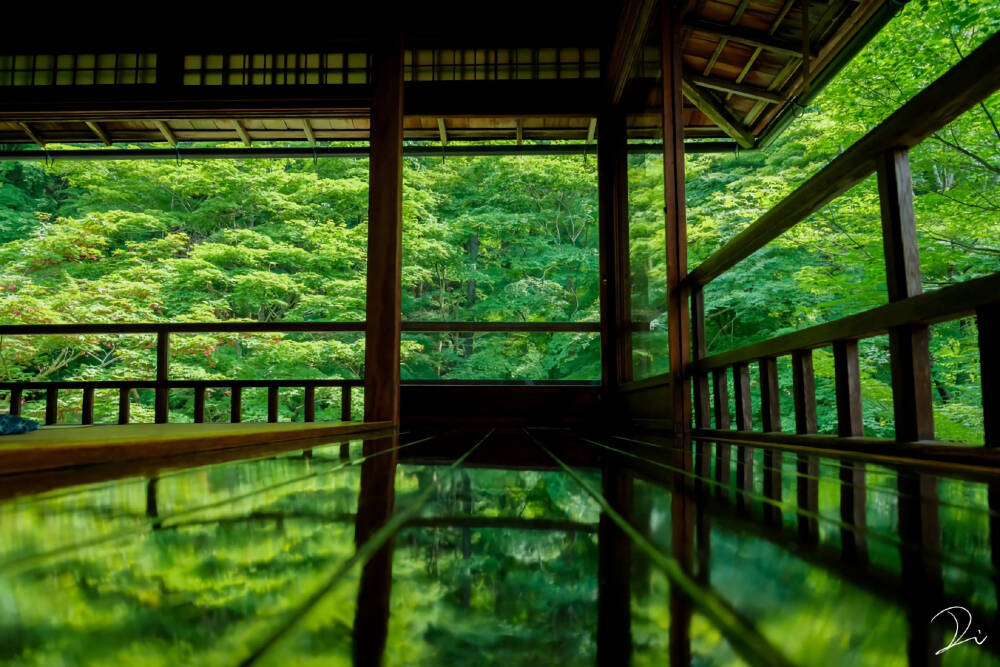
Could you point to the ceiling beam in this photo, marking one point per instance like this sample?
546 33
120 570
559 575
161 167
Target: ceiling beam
631 31
99 131
443 132
741 89
310 135
242 131
591 130
168 134
31 134
737 15
745 36
708 105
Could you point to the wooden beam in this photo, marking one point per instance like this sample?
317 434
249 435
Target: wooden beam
442 131
168 134
96 128
727 86
633 23
713 108
591 130
385 219
615 286
242 132
31 134
520 131
675 214
737 15
742 35
310 134
962 87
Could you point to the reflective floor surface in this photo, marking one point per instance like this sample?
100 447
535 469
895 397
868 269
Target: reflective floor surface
499 548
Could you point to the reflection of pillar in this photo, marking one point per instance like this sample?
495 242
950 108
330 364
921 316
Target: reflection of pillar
682 542
152 510
375 505
614 599
922 587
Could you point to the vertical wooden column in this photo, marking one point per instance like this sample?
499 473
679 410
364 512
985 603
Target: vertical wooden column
199 405
51 406
87 406
612 188
852 473
161 402
770 416
16 397
909 350
807 487
385 232
676 220
124 406
272 404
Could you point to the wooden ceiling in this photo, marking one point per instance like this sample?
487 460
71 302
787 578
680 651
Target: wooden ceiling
747 64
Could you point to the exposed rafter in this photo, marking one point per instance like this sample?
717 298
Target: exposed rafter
632 25
711 107
310 135
744 36
242 131
443 132
31 134
737 15
96 128
168 134
741 89
591 129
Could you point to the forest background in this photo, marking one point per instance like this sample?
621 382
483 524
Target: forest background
496 239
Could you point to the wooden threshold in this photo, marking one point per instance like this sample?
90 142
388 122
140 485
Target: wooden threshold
63 446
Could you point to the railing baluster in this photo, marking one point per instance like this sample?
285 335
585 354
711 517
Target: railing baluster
770 412
345 403
123 405
744 422
720 391
87 406
162 403
236 404
309 407
988 323
15 401
850 423
272 404
807 485
51 405
199 405
702 407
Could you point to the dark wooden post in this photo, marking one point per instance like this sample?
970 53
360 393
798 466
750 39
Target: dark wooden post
345 403
702 406
614 549
236 404
804 397
15 401
272 404
161 403
385 224
988 322
909 350
770 414
51 406
87 406
720 397
199 405
124 407
309 405
850 423
744 422
615 287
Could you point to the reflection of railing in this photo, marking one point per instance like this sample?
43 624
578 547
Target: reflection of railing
162 385
906 318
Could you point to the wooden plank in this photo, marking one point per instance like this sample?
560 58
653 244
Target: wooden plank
678 326
947 303
966 84
383 294
633 24
615 287
807 465
714 109
988 323
161 400
850 423
64 446
177 327
909 344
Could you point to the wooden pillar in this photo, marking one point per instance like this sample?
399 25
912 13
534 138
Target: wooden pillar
272 404
807 488
909 350
720 396
385 236
847 378
615 288
702 405
678 331
161 401
199 405
770 414
744 422
87 406
988 322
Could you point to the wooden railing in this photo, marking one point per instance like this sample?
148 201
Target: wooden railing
163 385
905 318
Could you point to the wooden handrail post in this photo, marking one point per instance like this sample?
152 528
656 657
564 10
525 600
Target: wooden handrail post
124 407
51 406
309 405
235 404
15 401
87 406
720 398
770 413
161 408
850 423
199 405
272 404
345 403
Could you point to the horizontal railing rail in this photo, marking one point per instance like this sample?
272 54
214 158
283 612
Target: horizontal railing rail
288 327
